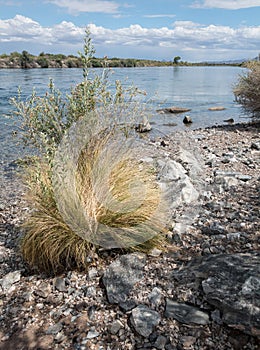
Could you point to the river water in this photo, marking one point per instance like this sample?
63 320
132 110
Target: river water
197 88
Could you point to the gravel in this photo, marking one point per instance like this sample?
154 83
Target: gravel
72 310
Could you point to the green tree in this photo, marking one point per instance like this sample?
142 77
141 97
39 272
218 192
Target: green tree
176 59
25 59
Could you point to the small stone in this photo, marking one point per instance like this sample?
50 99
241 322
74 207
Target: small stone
155 296
9 279
127 305
214 229
116 326
144 320
90 291
187 342
185 313
160 342
233 236
43 290
155 252
244 177
216 317
59 337
230 120
92 334
255 145
54 329
59 284
92 273
187 119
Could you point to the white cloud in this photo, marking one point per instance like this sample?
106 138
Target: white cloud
160 16
227 4
135 40
77 6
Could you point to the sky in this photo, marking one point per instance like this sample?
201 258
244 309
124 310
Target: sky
195 30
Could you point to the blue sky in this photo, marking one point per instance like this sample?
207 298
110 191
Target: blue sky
196 30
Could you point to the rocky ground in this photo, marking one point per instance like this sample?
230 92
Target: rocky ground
202 293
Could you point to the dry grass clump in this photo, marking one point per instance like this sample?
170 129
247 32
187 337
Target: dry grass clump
49 244
247 90
87 189
119 197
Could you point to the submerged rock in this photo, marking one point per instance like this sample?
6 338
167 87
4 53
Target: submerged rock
217 108
174 110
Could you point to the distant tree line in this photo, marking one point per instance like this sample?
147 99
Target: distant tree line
46 60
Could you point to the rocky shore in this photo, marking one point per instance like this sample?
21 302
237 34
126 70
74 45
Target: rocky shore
202 293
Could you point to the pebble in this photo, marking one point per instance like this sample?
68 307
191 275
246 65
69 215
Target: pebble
8 280
144 320
185 313
76 309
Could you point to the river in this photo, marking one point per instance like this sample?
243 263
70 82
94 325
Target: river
197 88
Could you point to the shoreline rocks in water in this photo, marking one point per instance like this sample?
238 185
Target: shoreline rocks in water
173 110
210 273
216 108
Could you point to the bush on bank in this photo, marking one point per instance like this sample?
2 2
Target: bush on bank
78 206
247 89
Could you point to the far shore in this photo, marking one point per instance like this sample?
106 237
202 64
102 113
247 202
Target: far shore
25 60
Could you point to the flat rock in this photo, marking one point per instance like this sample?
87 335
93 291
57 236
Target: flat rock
174 110
231 283
9 279
176 184
185 313
144 320
121 276
217 108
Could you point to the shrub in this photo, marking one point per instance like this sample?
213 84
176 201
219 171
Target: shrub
42 61
112 216
247 90
87 188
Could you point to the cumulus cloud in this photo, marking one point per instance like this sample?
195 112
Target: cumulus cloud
227 4
182 36
78 6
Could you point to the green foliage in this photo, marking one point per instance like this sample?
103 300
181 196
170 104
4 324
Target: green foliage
247 89
25 59
42 61
108 114
176 59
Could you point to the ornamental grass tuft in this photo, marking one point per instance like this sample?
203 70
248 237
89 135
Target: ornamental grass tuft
121 201
87 189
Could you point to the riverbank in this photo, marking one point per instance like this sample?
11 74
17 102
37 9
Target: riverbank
26 60
162 307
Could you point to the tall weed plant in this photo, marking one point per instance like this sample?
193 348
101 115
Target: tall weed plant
87 188
247 89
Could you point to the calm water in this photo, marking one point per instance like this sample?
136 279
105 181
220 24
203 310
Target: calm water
197 88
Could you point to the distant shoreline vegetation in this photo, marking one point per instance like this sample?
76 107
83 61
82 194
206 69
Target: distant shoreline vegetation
25 60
